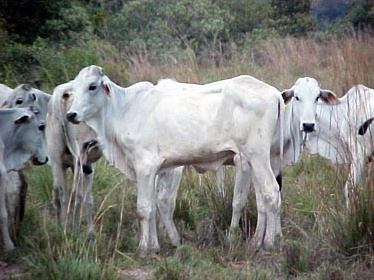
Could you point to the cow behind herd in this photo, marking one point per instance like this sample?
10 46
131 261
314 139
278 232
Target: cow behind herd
150 132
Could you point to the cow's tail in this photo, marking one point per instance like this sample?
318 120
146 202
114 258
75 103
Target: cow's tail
281 132
365 126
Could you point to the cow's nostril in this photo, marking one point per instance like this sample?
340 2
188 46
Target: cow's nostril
36 161
71 117
308 127
41 127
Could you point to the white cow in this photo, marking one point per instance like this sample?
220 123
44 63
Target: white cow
75 147
146 132
301 102
341 136
21 139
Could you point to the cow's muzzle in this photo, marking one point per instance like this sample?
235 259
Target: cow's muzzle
309 127
36 161
71 117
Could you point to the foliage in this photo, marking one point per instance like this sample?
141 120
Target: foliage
175 31
25 19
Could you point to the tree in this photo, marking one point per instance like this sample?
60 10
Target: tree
24 19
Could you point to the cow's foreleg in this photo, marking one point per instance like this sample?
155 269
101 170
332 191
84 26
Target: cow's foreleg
168 185
146 208
88 202
8 244
77 195
12 197
60 195
220 179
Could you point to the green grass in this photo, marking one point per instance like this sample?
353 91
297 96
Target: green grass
321 239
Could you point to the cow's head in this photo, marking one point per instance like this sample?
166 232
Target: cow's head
304 96
91 90
29 140
25 96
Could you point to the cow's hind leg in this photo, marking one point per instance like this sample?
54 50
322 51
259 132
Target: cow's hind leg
241 189
268 199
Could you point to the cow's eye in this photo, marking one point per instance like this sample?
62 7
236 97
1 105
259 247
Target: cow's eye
65 95
317 98
297 98
92 87
19 101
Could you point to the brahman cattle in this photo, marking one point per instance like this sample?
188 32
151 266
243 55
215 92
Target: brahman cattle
143 132
21 139
341 135
23 96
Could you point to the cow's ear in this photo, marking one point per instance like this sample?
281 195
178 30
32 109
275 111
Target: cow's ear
106 89
106 86
329 97
22 119
26 87
287 95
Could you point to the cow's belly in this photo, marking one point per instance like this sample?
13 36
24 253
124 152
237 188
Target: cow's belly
201 162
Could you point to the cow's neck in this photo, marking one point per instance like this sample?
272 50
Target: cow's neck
104 124
293 136
329 141
330 119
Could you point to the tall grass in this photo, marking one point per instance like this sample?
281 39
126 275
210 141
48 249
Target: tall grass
337 64
321 239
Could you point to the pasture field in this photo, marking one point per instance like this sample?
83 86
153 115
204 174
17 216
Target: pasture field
322 240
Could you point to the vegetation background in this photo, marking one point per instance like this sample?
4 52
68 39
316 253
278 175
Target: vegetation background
46 42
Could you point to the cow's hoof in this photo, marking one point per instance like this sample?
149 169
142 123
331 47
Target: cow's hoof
147 252
234 236
9 247
255 246
91 235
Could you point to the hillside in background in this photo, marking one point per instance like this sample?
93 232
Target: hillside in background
48 41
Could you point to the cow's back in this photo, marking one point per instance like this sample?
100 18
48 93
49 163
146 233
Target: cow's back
5 91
